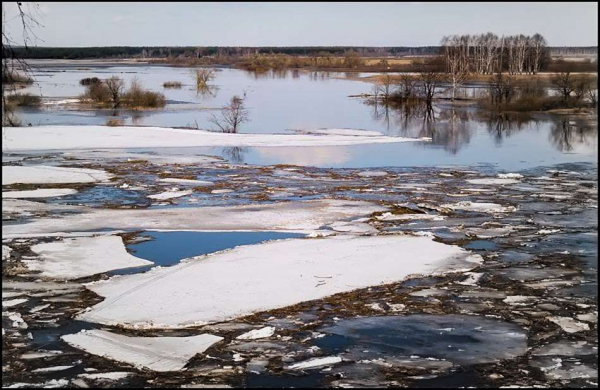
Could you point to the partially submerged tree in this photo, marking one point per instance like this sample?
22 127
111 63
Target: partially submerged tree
502 89
232 116
115 87
564 84
427 84
203 76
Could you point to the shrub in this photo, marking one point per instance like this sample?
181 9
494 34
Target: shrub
136 96
97 92
24 100
172 84
89 81
115 122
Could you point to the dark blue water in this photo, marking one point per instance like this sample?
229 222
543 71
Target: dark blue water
481 245
168 248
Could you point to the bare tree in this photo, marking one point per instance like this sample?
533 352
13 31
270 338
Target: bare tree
502 89
232 116
564 84
427 84
11 63
455 63
115 87
386 87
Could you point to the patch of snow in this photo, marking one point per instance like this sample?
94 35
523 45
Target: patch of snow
74 258
155 353
267 276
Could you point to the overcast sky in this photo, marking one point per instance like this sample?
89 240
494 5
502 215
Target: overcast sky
301 24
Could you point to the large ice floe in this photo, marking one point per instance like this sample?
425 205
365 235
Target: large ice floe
103 137
266 276
79 257
294 216
43 174
155 353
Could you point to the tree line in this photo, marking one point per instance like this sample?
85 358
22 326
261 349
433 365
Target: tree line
488 53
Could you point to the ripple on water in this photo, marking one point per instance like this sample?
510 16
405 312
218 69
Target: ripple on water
460 339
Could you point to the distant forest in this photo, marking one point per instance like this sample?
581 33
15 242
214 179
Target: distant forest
150 52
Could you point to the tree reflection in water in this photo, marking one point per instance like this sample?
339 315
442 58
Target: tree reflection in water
206 90
235 154
447 128
452 128
566 134
503 125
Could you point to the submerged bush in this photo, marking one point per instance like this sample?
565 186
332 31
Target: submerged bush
172 84
24 100
136 96
89 81
105 93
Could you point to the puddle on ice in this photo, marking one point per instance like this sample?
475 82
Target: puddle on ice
481 245
460 339
168 248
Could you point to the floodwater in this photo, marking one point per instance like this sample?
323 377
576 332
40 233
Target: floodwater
287 101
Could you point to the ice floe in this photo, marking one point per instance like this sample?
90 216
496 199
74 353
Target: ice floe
315 363
39 193
104 137
74 258
154 353
569 325
191 182
41 174
266 276
480 207
297 216
170 195
492 181
261 333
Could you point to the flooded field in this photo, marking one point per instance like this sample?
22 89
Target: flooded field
454 253
289 101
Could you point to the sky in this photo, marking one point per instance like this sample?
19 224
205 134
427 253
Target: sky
299 24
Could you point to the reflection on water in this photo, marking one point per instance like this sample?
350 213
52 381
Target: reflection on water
566 134
280 100
234 154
